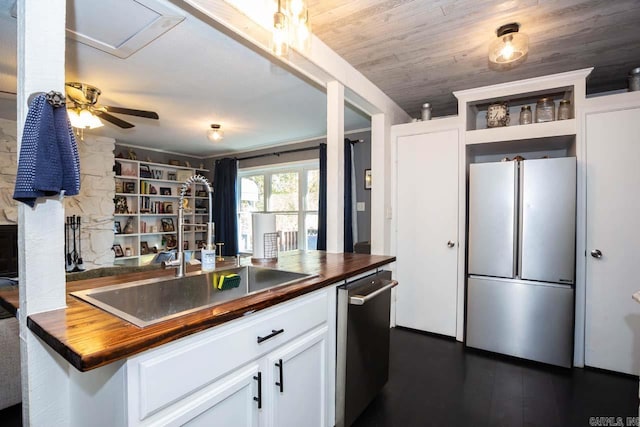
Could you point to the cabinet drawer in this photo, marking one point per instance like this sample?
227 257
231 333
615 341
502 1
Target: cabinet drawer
163 376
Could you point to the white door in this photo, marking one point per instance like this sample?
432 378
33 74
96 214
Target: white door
297 387
427 232
612 324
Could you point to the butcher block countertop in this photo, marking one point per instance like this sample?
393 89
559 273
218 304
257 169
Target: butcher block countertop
88 337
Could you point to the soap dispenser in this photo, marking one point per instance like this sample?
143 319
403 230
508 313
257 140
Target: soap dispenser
208 253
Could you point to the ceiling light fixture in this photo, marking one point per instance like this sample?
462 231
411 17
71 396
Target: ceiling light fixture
216 133
291 27
280 37
510 46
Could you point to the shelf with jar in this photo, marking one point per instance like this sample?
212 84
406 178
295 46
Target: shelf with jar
492 114
147 196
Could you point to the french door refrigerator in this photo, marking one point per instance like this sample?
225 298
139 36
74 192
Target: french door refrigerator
522 258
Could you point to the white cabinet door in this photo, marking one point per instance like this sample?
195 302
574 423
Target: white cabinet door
612 335
427 232
296 390
230 402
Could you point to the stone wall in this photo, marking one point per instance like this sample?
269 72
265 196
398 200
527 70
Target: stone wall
8 170
94 203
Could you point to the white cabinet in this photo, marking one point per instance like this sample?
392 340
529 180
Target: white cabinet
612 329
227 403
233 376
297 387
427 231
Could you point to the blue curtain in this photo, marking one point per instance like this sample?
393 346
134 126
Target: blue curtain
322 203
348 200
225 207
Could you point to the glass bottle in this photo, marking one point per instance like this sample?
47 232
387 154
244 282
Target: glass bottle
545 110
564 110
525 115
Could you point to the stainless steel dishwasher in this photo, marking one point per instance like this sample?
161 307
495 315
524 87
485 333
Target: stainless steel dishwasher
362 360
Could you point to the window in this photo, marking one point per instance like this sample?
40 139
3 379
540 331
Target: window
289 191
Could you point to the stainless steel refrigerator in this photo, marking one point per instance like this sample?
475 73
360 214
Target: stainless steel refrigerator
520 296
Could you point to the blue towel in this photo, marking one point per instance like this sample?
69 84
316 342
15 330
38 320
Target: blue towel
49 161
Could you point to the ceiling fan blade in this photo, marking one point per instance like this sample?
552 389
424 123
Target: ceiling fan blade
131 112
113 119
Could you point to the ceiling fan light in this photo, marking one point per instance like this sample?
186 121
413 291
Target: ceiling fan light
216 133
509 46
83 119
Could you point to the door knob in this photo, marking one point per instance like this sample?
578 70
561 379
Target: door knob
596 253
450 244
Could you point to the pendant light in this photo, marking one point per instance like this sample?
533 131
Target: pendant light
510 45
216 133
280 36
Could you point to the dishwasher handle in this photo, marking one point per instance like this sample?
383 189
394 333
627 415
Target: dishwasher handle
362 299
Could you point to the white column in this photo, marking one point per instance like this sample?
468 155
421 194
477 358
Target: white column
335 167
41 53
380 185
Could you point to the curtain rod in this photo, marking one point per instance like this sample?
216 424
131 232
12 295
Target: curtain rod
296 150
277 153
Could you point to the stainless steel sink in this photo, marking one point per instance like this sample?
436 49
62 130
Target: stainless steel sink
146 302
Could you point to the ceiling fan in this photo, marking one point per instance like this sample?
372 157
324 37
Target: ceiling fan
85 97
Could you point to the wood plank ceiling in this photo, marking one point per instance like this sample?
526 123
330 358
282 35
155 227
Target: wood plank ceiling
421 50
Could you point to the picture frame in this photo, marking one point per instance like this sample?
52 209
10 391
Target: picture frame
201 194
165 191
367 179
145 171
157 173
117 249
171 176
129 187
120 203
167 225
144 248
167 207
128 169
171 241
117 228
119 186
185 245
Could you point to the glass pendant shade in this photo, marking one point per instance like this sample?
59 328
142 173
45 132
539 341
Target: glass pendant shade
280 36
509 46
215 133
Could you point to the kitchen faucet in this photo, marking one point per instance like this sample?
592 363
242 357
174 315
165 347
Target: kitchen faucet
179 262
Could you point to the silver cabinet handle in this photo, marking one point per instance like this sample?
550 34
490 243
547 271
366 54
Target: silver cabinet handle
596 253
450 244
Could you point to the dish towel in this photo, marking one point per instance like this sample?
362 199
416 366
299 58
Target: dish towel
49 161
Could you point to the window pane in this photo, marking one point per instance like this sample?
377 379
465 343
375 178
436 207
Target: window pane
287 225
313 189
252 193
284 192
251 200
311 227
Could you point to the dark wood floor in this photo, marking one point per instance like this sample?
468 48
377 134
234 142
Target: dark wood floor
436 382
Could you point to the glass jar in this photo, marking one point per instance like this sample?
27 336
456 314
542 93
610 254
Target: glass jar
545 110
634 80
525 115
564 110
426 111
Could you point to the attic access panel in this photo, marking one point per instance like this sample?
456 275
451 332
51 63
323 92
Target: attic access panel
118 27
